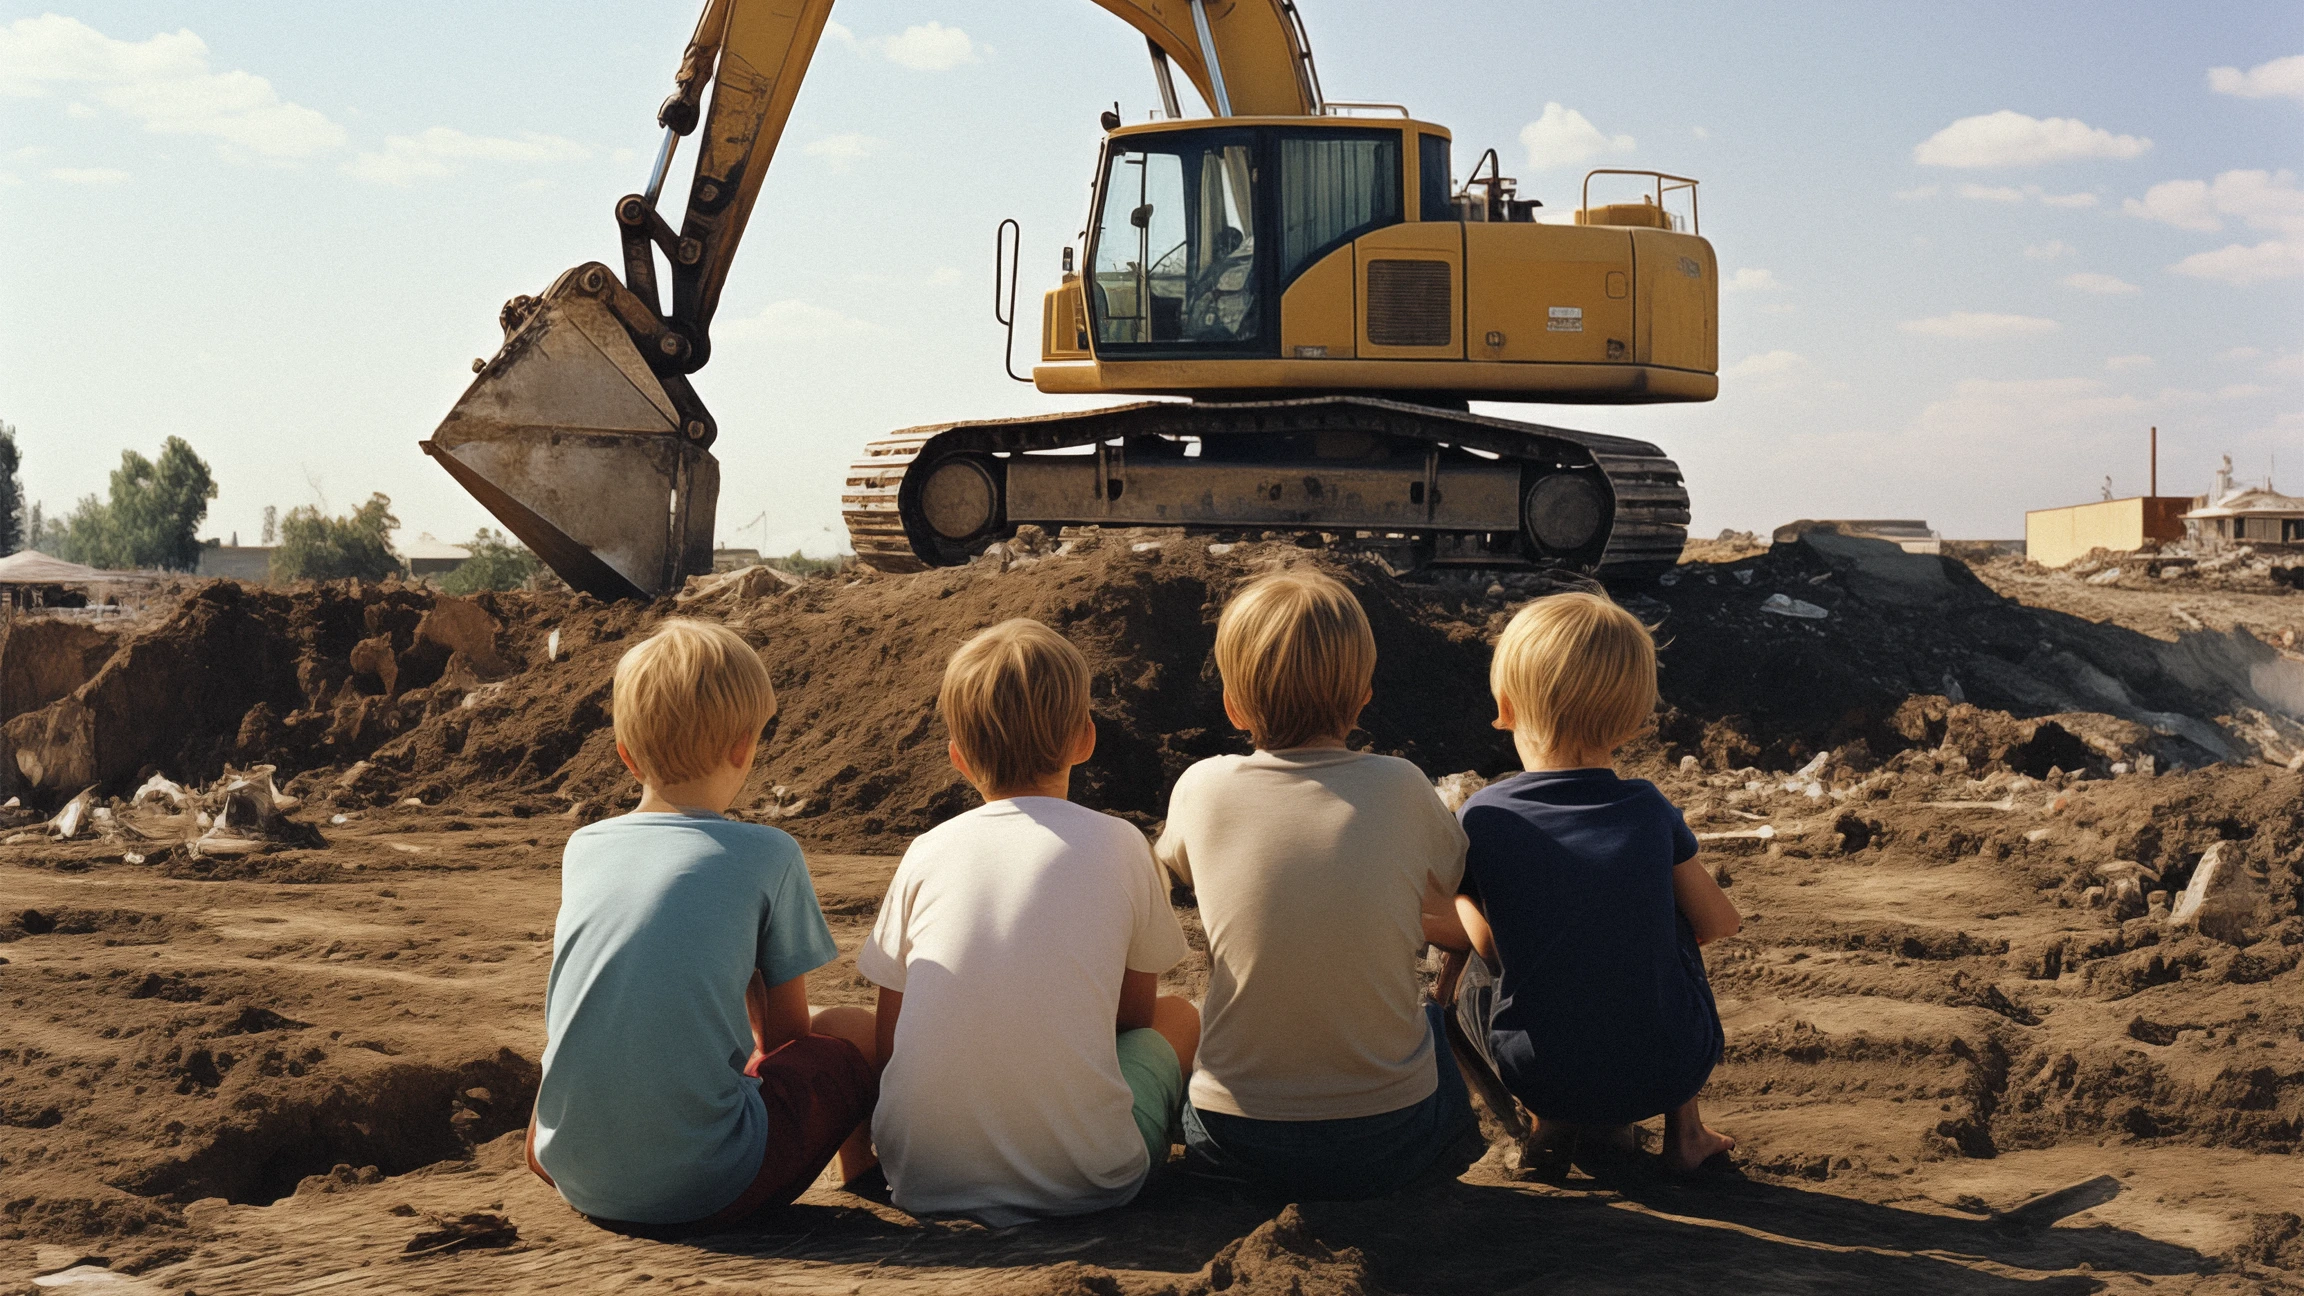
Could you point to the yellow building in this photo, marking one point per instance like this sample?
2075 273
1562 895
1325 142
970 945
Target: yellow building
2054 537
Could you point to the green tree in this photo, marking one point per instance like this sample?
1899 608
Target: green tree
12 529
152 518
314 546
495 564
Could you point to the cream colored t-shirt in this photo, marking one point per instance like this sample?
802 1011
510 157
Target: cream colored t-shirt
1312 866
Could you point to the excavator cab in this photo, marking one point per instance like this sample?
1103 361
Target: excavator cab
1272 256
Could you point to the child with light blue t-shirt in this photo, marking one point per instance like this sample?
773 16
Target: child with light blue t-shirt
687 1084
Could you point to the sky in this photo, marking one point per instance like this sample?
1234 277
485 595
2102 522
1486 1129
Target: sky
1970 251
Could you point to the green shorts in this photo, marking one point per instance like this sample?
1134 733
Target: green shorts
1156 1082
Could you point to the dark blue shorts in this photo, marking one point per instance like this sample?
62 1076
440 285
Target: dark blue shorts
1344 1160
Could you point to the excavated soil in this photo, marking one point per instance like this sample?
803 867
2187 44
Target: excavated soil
303 1066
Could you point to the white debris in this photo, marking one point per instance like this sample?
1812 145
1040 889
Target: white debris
159 788
73 819
2224 900
1765 832
417 802
339 819
1144 546
552 646
1456 789
2105 577
1219 550
131 857
1787 606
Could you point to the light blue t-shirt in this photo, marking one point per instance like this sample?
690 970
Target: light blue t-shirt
645 1114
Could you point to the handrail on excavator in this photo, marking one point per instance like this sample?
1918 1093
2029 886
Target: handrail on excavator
1695 217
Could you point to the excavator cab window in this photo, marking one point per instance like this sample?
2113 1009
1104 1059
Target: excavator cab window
1175 263
1334 187
1434 183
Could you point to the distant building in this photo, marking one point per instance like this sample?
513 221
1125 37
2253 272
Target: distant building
2250 515
727 560
250 563
2055 537
427 555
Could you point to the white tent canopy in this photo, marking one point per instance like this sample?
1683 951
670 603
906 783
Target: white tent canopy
32 567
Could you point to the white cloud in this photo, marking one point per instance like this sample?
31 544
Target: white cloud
2287 366
2049 250
2128 362
443 151
1970 325
1752 279
1703 132
89 175
10 178
2242 391
945 276
1918 193
1562 137
2092 281
2009 138
2241 265
2267 200
793 320
2282 78
2028 193
2264 200
923 47
164 82
844 150
2241 353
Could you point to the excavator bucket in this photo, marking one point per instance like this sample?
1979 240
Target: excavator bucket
583 452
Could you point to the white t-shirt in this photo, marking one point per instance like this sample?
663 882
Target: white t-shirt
1312 866
1007 931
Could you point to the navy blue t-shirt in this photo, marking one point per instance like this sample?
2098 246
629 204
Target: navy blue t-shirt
1603 1013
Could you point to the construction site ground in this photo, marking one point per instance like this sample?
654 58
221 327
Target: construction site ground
295 1054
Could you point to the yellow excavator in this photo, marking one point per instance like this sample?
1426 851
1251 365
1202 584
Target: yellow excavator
1303 272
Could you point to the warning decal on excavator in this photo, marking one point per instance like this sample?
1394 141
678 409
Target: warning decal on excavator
1565 319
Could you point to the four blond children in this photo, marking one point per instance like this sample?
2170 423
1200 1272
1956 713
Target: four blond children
1020 1062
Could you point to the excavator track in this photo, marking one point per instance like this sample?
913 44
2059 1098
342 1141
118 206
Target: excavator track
1646 506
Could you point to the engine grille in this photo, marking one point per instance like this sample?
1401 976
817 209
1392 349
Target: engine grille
1409 303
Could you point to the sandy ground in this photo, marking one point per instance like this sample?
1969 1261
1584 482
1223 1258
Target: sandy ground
227 1039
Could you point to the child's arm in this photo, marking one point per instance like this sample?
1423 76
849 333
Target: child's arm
1710 912
1138 992
779 1012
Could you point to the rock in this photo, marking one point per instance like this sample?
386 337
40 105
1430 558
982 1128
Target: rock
2156 905
373 658
1785 605
462 627
2094 897
2127 899
2224 900
1030 539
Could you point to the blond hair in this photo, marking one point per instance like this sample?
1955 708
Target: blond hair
1015 700
685 696
1578 670
1297 657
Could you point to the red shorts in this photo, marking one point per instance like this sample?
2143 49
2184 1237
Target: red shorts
817 1090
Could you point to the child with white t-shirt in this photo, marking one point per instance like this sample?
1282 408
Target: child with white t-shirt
1032 1067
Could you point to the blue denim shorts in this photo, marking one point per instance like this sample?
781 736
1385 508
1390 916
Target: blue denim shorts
1343 1160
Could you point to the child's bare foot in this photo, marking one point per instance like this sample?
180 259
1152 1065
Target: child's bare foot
1689 1142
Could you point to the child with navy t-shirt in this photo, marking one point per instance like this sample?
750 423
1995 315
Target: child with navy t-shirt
1583 894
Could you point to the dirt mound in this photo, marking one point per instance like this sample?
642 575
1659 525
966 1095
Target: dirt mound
366 696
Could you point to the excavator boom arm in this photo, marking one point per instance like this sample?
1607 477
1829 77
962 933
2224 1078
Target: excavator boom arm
583 435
